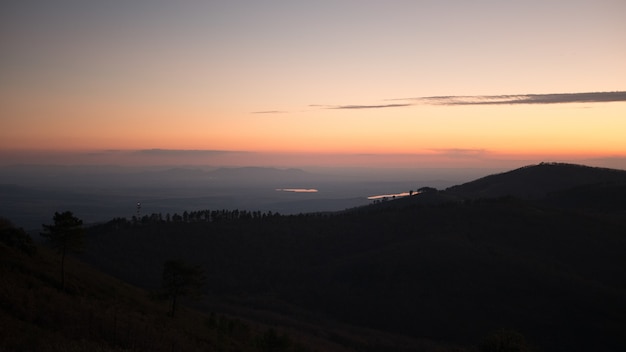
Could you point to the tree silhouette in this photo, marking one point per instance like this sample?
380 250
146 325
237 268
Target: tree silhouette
16 237
505 341
181 279
65 235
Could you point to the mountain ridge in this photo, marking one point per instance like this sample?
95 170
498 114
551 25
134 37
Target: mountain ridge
537 181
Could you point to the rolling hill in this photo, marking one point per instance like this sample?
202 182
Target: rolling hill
498 252
534 256
539 181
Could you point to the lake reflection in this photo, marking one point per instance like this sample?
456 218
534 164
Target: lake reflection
297 190
396 195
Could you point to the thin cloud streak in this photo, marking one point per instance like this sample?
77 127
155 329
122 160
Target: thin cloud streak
270 112
188 152
461 152
556 98
349 107
505 99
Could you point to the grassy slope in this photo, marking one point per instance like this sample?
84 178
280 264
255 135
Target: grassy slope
100 313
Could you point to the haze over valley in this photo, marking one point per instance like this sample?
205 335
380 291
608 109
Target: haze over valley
30 193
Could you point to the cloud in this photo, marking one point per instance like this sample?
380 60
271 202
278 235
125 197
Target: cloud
185 152
105 152
505 99
348 107
270 112
555 98
461 152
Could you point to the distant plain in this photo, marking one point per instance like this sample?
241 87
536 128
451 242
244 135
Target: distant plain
30 194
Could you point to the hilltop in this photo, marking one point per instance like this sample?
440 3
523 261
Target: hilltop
558 185
539 181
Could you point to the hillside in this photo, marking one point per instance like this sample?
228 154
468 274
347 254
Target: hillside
451 270
538 181
436 270
97 312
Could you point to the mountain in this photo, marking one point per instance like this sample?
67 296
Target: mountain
497 254
538 181
464 269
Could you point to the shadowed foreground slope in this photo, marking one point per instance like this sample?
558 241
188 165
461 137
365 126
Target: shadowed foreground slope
96 312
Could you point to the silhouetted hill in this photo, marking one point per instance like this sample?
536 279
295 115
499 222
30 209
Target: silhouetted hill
538 181
431 267
430 197
604 197
438 271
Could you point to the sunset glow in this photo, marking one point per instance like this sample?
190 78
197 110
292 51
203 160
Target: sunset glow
323 83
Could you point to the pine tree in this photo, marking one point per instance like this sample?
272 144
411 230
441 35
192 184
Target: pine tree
65 235
181 279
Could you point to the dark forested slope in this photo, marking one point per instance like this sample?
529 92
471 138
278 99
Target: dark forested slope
538 181
446 269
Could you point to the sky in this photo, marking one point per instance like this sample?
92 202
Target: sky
295 83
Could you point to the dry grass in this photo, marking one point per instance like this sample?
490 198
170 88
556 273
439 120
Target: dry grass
96 312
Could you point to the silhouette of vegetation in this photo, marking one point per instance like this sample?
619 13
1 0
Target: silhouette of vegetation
433 272
433 266
505 341
271 341
427 189
97 312
181 279
16 237
65 235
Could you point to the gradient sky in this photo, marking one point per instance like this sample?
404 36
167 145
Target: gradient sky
439 83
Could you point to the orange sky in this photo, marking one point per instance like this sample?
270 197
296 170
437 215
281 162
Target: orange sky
330 79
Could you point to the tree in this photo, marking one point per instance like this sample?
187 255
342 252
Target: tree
16 237
272 341
505 341
181 279
65 235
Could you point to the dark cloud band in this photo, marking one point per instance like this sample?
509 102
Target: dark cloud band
510 99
